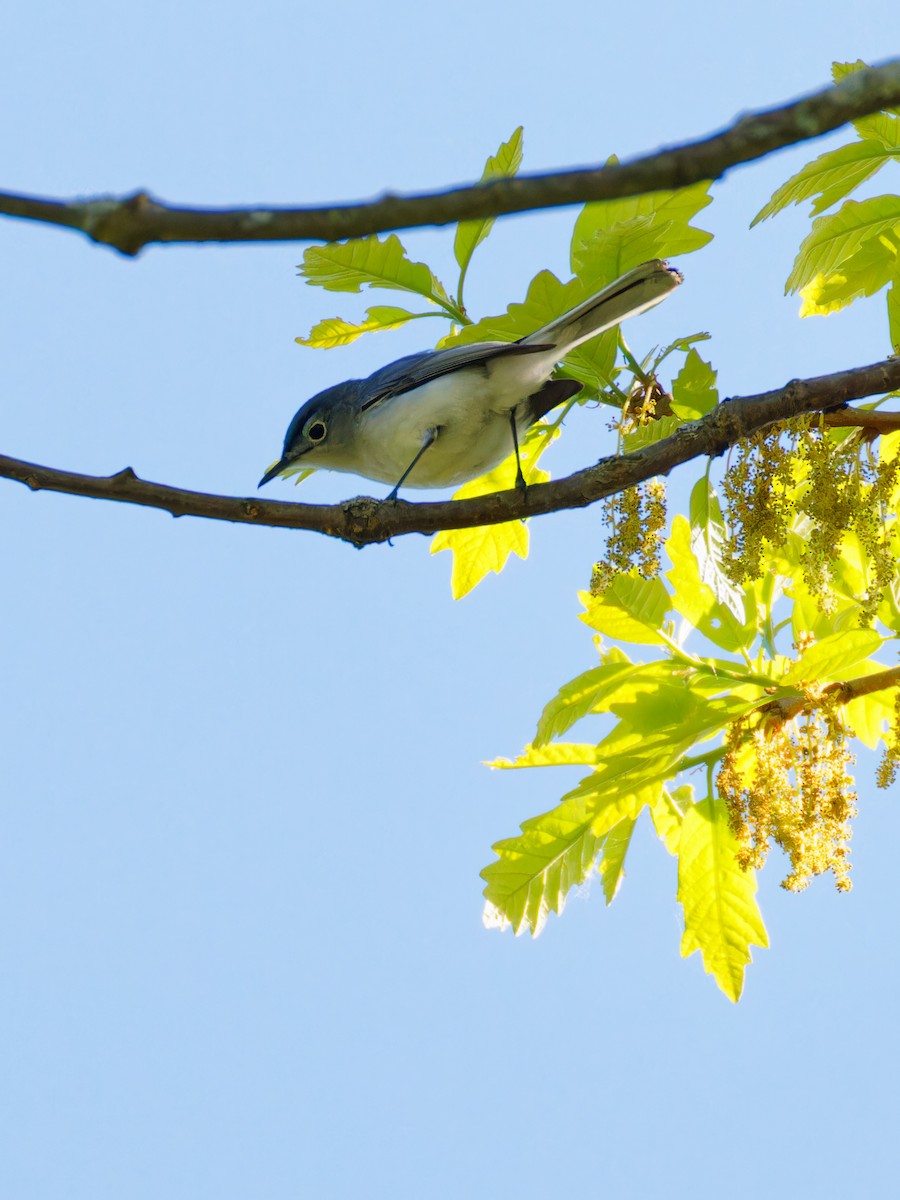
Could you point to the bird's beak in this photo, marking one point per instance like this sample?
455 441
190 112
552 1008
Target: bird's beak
280 466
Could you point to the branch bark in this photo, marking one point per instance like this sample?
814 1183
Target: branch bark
846 690
365 521
130 223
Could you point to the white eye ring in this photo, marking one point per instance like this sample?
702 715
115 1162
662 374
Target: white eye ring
317 430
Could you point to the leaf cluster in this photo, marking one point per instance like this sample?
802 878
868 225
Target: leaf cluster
852 252
669 717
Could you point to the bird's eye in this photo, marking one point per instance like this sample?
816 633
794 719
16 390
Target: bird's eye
317 431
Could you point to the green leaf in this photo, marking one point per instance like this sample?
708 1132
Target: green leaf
556 851
546 299
864 273
369 261
868 716
694 391
335 331
695 599
597 690
611 867
721 917
653 431
893 307
838 236
556 754
882 127
631 609
477 552
611 236
708 539
668 815
829 660
830 177
470 234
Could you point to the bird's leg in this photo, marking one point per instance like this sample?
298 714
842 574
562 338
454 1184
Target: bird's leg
430 439
520 478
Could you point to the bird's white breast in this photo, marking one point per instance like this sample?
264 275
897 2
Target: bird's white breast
469 409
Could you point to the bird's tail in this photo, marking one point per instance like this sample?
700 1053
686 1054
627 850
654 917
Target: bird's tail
634 292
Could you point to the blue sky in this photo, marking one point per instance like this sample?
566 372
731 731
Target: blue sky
244 809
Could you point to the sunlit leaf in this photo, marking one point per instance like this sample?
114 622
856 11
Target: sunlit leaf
869 716
631 609
477 552
335 331
668 812
721 917
836 237
653 431
611 867
694 390
708 539
546 299
862 274
556 851
829 660
552 754
470 234
695 599
893 307
611 236
830 177
594 691
373 262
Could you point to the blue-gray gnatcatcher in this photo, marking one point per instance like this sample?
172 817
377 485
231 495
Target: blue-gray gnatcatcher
442 417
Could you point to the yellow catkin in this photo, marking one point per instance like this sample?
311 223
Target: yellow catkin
890 758
829 479
788 782
637 521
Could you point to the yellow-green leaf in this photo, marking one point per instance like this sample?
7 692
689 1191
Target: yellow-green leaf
893 307
370 262
694 390
694 598
611 866
596 690
836 237
470 234
631 609
546 299
668 812
477 552
554 754
708 538
830 177
335 331
868 715
653 431
862 274
829 660
721 917
556 851
611 236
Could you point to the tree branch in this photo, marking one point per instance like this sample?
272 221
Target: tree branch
130 223
846 690
874 422
364 520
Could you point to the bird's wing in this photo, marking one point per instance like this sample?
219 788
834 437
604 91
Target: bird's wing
416 369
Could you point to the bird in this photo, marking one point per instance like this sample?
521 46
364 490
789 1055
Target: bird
440 418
